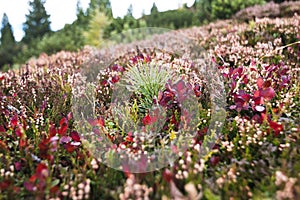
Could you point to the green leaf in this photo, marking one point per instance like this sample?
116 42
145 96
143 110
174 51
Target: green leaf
55 182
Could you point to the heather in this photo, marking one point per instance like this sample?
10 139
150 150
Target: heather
44 154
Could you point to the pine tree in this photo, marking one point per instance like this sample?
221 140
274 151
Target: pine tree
8 43
153 18
81 16
37 21
7 36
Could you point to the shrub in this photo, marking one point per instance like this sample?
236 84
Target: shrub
224 9
270 9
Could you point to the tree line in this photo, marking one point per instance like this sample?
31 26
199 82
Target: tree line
96 24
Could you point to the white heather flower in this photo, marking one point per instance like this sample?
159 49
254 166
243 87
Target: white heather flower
280 177
87 189
80 186
2 171
220 182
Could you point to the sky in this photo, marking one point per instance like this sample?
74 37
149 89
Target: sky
64 11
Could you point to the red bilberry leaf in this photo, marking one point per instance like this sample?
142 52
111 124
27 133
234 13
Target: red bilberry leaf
147 120
115 79
268 93
69 148
29 186
97 122
260 83
19 132
75 136
23 143
52 130
63 121
63 126
2 129
40 168
104 82
54 189
167 175
18 166
214 160
14 120
276 127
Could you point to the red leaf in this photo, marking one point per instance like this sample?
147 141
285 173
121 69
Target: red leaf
246 80
97 122
63 121
63 126
40 168
54 189
276 127
260 82
258 100
33 178
23 143
115 79
268 93
70 148
18 166
104 83
2 130
63 130
75 136
29 186
180 85
4 185
19 132
214 160
52 130
267 84
167 175
129 138
147 120
14 120
2 77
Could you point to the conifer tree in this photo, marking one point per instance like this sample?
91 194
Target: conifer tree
8 43
103 6
7 36
37 21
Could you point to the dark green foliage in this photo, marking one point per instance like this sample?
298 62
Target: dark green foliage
70 38
7 37
119 25
202 11
103 6
37 21
170 19
224 9
7 45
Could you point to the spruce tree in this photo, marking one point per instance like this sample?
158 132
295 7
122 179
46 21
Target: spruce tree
37 21
7 36
7 46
